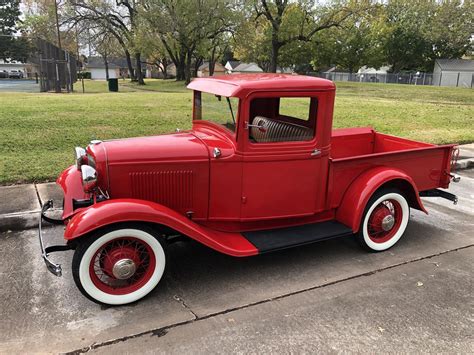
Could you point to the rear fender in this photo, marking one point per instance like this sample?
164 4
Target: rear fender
358 194
110 212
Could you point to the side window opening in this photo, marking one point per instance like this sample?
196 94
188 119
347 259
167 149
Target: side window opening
283 119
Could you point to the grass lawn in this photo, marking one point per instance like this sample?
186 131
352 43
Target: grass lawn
39 131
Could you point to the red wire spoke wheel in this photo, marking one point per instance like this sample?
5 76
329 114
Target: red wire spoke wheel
122 265
119 266
385 220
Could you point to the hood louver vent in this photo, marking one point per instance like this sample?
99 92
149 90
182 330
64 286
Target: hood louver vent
170 188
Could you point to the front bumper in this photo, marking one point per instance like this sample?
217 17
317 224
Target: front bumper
50 265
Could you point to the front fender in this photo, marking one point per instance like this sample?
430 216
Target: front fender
70 181
133 210
358 194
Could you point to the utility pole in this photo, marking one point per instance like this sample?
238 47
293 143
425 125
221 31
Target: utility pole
57 23
58 81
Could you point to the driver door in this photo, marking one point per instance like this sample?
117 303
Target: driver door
281 174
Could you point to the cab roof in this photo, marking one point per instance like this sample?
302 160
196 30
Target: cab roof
240 85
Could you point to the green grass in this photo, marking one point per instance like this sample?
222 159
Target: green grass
39 131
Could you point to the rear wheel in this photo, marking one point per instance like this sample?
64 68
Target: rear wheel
119 265
384 221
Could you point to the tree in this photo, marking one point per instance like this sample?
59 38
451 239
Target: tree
298 21
39 22
184 25
357 42
12 47
120 19
107 46
252 42
419 32
451 30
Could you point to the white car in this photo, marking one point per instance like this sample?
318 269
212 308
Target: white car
16 74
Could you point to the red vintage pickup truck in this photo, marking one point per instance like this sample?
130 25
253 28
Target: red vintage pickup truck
261 170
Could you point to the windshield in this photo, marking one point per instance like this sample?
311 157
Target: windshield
218 109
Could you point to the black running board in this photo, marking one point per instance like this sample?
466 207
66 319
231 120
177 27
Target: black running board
276 239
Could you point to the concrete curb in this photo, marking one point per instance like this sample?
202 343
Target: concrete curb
22 205
463 164
21 220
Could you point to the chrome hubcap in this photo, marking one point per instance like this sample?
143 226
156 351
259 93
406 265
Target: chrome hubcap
124 269
388 222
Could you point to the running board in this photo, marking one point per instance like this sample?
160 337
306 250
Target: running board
282 238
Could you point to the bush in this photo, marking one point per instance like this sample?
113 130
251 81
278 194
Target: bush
84 75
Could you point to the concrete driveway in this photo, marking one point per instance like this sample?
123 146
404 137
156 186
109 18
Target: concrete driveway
328 297
17 85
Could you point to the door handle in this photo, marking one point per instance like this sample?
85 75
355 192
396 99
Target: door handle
315 152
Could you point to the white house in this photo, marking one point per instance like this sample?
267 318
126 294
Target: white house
203 70
118 68
231 65
96 66
453 72
28 69
246 68
369 74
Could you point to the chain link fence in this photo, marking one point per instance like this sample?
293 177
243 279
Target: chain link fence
57 67
33 64
456 79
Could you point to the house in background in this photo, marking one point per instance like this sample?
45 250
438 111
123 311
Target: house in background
203 70
246 68
231 65
373 75
453 72
118 68
29 70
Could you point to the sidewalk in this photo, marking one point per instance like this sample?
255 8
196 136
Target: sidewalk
22 203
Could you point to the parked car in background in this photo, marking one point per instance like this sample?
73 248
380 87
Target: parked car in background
16 74
3 74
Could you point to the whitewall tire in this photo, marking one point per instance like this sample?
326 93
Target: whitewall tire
384 221
119 265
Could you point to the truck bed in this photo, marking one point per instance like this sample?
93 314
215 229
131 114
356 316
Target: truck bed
356 150
357 142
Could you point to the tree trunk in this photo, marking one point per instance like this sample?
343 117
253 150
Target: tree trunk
180 66
164 68
129 65
212 62
187 69
106 65
197 64
139 69
274 56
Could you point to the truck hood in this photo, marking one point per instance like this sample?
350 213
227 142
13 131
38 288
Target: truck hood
173 147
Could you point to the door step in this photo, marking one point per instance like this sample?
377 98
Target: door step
282 238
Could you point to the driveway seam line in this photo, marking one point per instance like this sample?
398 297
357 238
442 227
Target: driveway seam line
163 330
38 195
183 303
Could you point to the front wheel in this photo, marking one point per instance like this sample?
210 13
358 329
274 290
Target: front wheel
384 221
119 265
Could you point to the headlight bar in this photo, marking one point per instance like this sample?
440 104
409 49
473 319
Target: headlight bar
89 178
80 156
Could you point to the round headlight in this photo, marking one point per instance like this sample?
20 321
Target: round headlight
80 156
89 178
